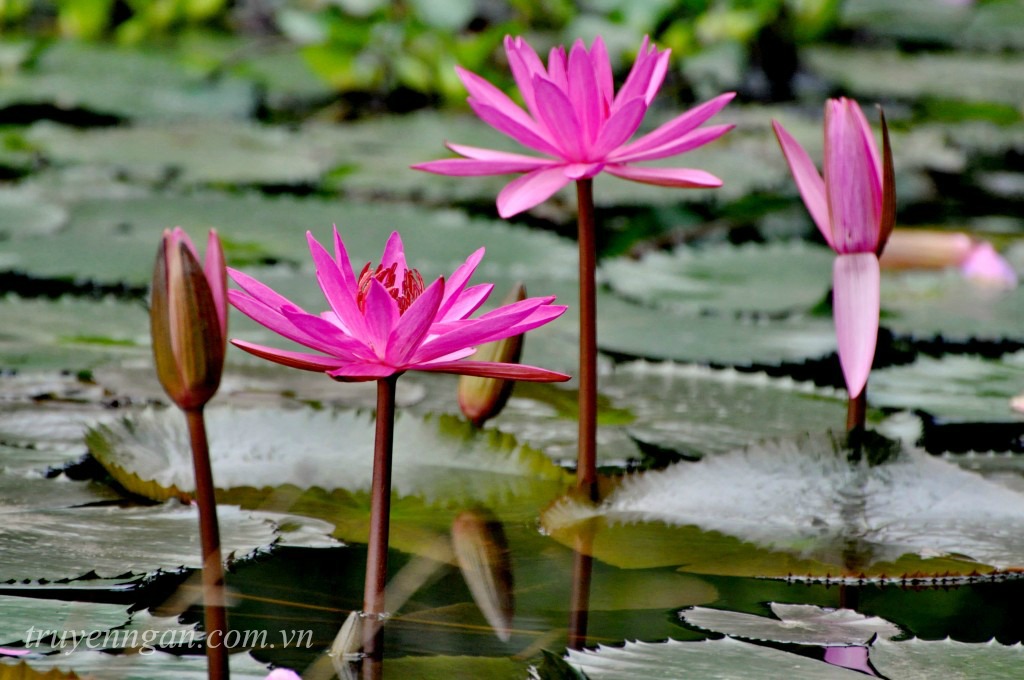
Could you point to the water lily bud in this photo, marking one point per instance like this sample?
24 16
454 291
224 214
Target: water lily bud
188 318
926 249
483 398
482 553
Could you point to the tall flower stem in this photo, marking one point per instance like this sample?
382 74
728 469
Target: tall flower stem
856 411
215 614
582 572
586 467
380 514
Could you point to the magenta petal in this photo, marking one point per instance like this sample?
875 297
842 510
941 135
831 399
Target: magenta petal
603 72
273 319
348 277
456 283
657 76
465 304
852 181
855 307
266 295
300 360
216 276
685 178
558 114
529 190
494 325
691 140
324 336
527 136
487 94
525 64
808 181
487 369
412 327
620 127
583 92
680 125
638 79
394 253
468 167
362 372
339 293
381 316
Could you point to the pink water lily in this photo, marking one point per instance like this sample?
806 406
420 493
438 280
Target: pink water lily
854 207
386 320
582 126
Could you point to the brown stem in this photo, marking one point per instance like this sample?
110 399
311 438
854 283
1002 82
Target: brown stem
586 466
215 614
380 512
856 412
579 604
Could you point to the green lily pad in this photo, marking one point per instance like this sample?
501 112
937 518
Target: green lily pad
800 507
442 460
801 624
156 666
953 388
29 616
914 20
908 660
135 84
686 409
56 543
889 73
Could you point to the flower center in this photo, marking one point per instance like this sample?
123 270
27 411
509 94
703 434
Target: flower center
404 292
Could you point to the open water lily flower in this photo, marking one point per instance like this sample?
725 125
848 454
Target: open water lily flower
854 207
387 320
579 123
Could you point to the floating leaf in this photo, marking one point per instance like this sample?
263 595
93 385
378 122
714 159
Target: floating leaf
25 619
156 666
111 541
802 624
801 507
922 659
953 388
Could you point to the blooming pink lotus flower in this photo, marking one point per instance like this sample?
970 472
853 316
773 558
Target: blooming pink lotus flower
854 207
386 320
576 119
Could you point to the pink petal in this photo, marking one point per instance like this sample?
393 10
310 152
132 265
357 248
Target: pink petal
557 69
808 181
557 113
216 276
525 64
620 127
487 94
339 293
603 72
494 325
394 253
584 95
266 296
300 360
638 79
348 277
467 167
362 372
666 177
381 316
679 126
657 76
526 136
852 181
269 317
855 308
984 265
456 283
688 142
529 190
458 308
325 337
487 369
412 327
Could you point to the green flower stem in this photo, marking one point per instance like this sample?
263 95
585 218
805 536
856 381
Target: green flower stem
586 467
215 613
380 513
856 411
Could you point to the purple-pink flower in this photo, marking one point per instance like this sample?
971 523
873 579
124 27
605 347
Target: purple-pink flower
386 320
579 123
854 207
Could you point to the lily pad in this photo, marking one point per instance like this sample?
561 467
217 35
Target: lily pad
59 543
953 388
801 624
803 507
156 666
26 617
442 460
135 84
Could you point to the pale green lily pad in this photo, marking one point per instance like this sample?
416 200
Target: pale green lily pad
888 73
70 333
769 279
812 510
689 410
725 658
24 613
919 20
993 26
135 84
57 544
953 388
441 460
156 666
25 213
204 152
728 658
801 624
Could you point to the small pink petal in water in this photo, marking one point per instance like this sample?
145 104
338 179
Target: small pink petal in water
984 265
855 658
